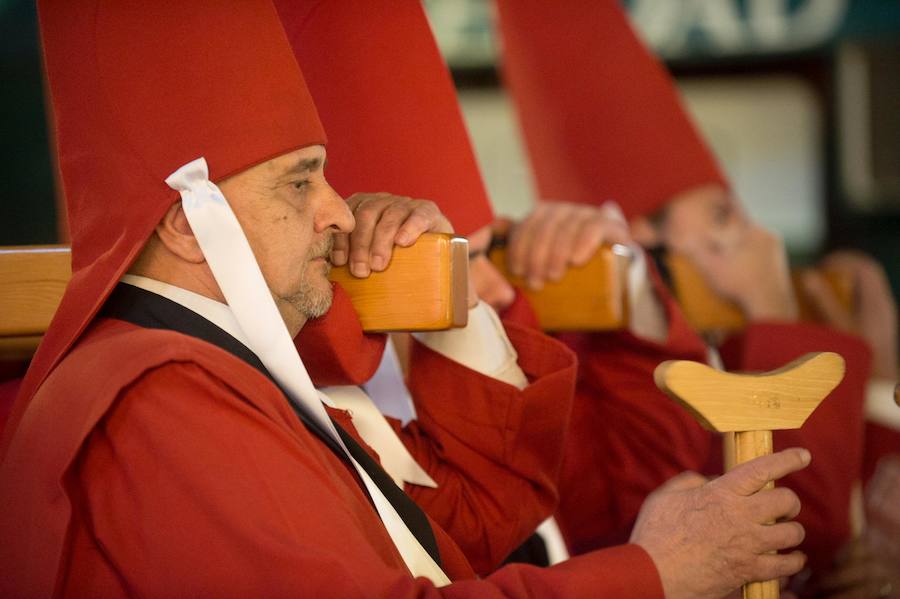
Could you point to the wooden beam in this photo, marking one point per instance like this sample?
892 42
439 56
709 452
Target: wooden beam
588 298
424 288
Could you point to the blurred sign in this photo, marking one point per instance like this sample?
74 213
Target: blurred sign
690 29
679 28
698 29
464 31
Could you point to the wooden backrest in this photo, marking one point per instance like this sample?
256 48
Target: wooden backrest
32 281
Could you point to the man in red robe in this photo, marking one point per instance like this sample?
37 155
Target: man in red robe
618 132
381 87
168 439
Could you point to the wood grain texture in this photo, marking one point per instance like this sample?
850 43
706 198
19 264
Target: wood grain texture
424 288
587 298
780 399
33 280
707 311
768 589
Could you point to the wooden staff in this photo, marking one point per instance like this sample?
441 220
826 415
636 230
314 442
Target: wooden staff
751 406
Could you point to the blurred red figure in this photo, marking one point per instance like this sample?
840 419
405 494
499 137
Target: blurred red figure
602 121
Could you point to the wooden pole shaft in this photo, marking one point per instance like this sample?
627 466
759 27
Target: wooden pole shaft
728 450
747 446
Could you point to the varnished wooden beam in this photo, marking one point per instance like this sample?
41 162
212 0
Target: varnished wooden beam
425 287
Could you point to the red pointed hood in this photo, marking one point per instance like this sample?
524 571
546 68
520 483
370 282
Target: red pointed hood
389 105
138 90
601 117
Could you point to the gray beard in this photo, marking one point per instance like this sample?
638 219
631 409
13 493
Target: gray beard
311 301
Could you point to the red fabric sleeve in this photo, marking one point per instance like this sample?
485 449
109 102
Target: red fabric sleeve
626 437
834 433
185 489
493 449
334 348
601 117
521 312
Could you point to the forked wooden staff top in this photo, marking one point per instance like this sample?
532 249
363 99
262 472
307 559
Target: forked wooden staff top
751 406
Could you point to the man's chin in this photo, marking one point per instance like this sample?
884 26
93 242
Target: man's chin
316 305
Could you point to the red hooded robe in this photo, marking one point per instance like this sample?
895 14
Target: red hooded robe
602 120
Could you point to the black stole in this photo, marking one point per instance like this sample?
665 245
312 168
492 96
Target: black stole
150 310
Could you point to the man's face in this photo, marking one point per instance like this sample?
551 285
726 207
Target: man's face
702 219
289 214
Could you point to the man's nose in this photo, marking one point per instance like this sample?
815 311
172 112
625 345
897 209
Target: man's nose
335 213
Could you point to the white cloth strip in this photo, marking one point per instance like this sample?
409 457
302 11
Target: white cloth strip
482 346
554 542
375 430
240 279
388 389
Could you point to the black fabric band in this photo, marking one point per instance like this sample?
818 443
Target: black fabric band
150 310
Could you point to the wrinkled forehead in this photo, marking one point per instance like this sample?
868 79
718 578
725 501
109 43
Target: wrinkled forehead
307 160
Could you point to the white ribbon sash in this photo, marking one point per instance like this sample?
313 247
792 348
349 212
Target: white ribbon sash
375 430
237 273
387 389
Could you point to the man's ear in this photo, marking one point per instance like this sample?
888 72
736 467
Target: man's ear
645 232
175 233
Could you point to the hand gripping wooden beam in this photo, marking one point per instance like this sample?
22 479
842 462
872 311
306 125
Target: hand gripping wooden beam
425 288
751 406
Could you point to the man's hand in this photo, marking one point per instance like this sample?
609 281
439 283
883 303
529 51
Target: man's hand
874 317
708 538
750 269
557 235
384 220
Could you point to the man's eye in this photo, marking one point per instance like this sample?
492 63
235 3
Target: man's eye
301 184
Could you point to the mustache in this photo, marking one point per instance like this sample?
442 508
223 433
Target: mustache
323 249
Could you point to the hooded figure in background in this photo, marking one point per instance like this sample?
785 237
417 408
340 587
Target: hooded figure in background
602 121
